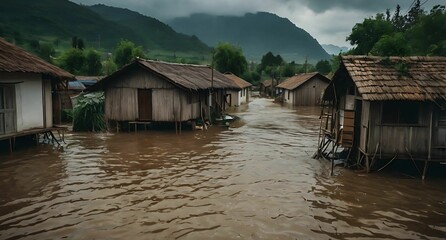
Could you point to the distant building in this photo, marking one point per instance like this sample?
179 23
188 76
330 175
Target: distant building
238 97
29 92
152 91
304 89
88 81
266 88
387 108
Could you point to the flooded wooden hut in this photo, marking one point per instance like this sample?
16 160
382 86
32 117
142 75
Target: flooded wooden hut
303 89
238 97
266 88
384 108
152 91
30 91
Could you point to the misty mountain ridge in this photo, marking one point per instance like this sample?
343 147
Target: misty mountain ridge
100 26
156 34
333 49
256 33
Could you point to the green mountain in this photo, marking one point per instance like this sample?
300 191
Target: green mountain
57 21
155 34
255 33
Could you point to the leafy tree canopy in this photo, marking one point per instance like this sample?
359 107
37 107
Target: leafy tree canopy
270 60
228 58
126 51
416 33
93 65
72 60
323 67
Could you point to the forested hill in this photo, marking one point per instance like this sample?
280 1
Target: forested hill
256 34
57 21
156 34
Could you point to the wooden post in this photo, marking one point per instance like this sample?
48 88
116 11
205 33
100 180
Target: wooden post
426 162
367 162
320 139
332 157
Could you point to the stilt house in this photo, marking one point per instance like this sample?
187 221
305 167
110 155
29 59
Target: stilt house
30 90
238 97
387 108
153 91
304 89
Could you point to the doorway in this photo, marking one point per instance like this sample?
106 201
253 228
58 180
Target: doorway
145 104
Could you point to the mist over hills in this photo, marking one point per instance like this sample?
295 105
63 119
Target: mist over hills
333 49
100 26
255 33
57 21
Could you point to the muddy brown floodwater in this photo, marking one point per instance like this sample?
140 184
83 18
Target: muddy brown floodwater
255 180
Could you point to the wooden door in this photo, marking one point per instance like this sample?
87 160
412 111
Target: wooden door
7 110
145 104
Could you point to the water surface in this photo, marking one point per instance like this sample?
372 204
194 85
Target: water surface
254 180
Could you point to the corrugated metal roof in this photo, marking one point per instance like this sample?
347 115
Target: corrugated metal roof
237 80
194 77
75 85
297 80
16 59
397 78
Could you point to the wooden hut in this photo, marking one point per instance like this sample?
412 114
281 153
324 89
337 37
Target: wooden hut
266 88
152 91
30 90
303 89
387 108
238 97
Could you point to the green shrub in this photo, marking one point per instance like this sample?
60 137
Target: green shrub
88 114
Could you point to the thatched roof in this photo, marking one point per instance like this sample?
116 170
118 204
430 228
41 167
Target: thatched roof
394 78
16 59
299 79
239 81
192 77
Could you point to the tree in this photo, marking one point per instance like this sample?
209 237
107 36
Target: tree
397 19
109 67
335 63
72 60
228 58
414 14
270 60
364 35
323 67
251 76
428 31
288 70
46 50
126 51
391 45
93 65
80 44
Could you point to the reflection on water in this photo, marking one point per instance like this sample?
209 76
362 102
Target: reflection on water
254 180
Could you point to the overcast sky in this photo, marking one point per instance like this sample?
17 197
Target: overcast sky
329 21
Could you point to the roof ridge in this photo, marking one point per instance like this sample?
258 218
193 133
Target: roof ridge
172 63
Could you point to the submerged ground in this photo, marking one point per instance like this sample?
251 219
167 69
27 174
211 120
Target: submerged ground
254 180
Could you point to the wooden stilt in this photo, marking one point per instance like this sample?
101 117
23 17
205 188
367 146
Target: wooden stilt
367 163
332 158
